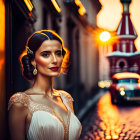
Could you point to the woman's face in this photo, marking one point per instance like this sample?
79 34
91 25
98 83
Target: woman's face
48 58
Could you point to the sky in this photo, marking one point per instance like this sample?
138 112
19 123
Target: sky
110 16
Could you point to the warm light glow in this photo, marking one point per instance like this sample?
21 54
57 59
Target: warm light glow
65 61
116 137
126 75
121 89
109 115
122 92
2 27
104 84
108 137
29 5
81 9
105 36
56 6
138 86
2 68
112 120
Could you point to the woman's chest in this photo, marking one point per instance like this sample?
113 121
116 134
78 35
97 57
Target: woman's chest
59 112
46 126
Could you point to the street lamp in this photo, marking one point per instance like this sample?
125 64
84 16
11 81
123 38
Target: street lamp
103 39
105 36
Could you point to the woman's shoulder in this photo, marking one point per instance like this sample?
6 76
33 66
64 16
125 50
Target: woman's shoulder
66 94
67 98
18 98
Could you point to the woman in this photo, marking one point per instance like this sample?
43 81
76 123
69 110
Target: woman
41 112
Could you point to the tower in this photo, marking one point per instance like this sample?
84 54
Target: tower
125 56
126 31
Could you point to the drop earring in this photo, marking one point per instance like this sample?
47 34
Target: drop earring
35 70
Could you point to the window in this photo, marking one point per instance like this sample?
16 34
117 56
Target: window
132 80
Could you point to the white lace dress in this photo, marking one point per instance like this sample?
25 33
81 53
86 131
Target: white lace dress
46 124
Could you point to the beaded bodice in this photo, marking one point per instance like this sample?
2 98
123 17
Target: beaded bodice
40 110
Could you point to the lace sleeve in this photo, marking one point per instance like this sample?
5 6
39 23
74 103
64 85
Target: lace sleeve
68 99
18 98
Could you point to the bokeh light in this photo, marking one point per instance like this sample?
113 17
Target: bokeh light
105 36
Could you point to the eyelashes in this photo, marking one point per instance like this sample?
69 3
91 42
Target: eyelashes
48 53
59 53
45 54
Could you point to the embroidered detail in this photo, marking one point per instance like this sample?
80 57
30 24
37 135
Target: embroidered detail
68 99
33 107
18 98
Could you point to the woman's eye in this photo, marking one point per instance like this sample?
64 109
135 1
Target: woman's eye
59 53
45 54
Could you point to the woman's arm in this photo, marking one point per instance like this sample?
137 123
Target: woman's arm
17 118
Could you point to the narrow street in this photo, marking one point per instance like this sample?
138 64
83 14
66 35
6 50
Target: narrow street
106 121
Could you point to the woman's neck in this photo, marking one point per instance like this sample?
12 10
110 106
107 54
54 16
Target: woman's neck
43 85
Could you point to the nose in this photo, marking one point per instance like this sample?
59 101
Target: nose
54 59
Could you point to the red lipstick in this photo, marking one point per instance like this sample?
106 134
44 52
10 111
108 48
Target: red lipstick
54 68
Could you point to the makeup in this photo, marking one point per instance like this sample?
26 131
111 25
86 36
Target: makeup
54 68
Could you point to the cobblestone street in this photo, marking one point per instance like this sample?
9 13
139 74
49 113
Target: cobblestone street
107 121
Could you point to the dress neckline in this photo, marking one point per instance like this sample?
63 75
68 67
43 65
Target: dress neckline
65 125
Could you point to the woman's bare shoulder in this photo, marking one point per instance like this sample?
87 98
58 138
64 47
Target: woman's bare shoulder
68 98
18 99
66 94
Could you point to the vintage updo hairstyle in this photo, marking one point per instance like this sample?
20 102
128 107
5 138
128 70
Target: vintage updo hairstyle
33 44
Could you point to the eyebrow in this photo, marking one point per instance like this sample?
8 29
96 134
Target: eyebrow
58 50
45 52
50 51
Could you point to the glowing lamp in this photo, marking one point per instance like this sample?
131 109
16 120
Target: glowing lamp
122 92
81 9
29 5
105 36
56 6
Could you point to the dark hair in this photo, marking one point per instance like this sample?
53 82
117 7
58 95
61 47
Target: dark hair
32 45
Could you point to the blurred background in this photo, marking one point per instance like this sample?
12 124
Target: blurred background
80 23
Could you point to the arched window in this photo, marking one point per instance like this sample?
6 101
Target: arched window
122 64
